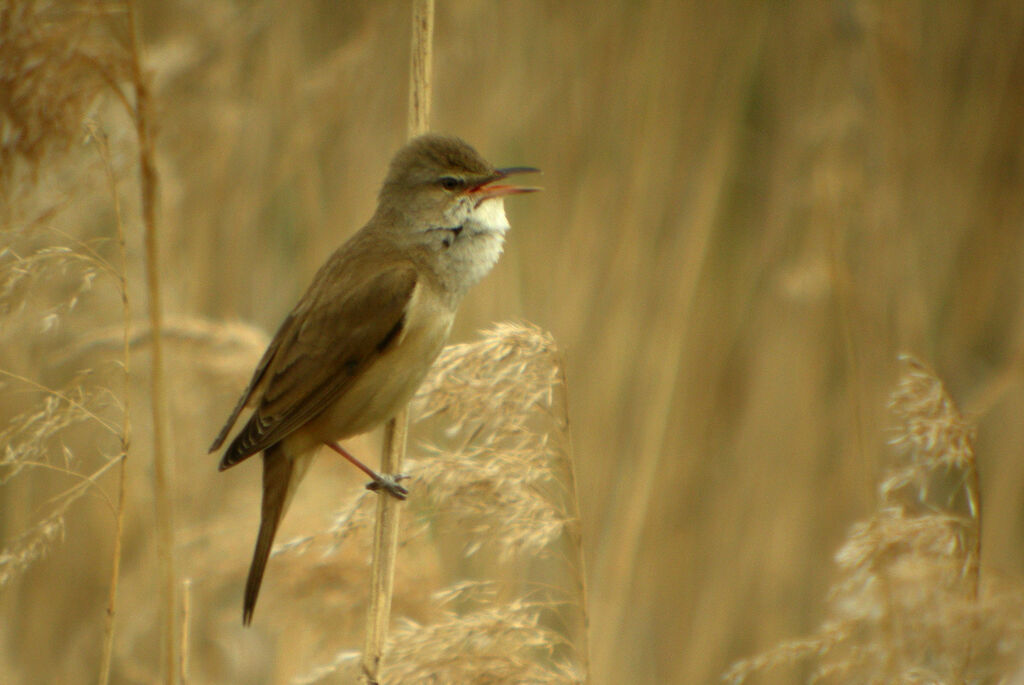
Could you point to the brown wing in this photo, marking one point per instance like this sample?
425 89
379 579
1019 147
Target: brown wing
335 333
257 376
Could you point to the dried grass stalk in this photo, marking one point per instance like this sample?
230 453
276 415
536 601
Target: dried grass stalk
385 544
149 183
106 655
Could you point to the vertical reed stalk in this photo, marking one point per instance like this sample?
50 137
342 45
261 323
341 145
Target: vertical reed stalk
149 181
186 617
385 549
419 71
575 533
385 536
972 556
126 427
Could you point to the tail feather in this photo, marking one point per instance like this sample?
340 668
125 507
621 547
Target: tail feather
281 475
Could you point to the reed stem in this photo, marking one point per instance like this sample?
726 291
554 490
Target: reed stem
385 537
150 183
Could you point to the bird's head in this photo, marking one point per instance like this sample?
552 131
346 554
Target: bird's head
442 182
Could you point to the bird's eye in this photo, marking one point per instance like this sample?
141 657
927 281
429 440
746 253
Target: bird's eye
450 182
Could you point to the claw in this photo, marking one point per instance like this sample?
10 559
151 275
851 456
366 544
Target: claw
390 486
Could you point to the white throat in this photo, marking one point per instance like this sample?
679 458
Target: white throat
477 247
489 215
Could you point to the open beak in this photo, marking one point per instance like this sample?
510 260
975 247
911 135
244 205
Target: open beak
487 190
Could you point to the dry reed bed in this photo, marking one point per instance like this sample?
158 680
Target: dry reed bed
738 234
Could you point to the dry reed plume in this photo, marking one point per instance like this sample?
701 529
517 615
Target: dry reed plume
908 605
496 481
55 60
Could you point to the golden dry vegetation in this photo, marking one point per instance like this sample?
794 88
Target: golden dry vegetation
750 210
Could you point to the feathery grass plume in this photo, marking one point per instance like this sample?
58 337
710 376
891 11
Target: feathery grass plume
31 438
499 466
937 445
53 63
498 477
496 643
21 272
495 485
909 605
45 453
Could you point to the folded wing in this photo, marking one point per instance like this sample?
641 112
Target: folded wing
324 345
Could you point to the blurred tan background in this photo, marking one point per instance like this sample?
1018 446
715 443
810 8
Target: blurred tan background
749 210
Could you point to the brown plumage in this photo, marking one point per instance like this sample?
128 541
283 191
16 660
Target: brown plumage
360 340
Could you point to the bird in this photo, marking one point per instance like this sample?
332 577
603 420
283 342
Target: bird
362 337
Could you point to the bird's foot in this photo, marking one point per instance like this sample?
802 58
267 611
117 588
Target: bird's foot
389 485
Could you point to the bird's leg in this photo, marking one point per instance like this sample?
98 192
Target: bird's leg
386 484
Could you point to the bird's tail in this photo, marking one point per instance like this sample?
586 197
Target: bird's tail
281 475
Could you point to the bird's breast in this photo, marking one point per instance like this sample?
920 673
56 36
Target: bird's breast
390 381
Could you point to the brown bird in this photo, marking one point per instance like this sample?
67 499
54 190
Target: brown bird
361 339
